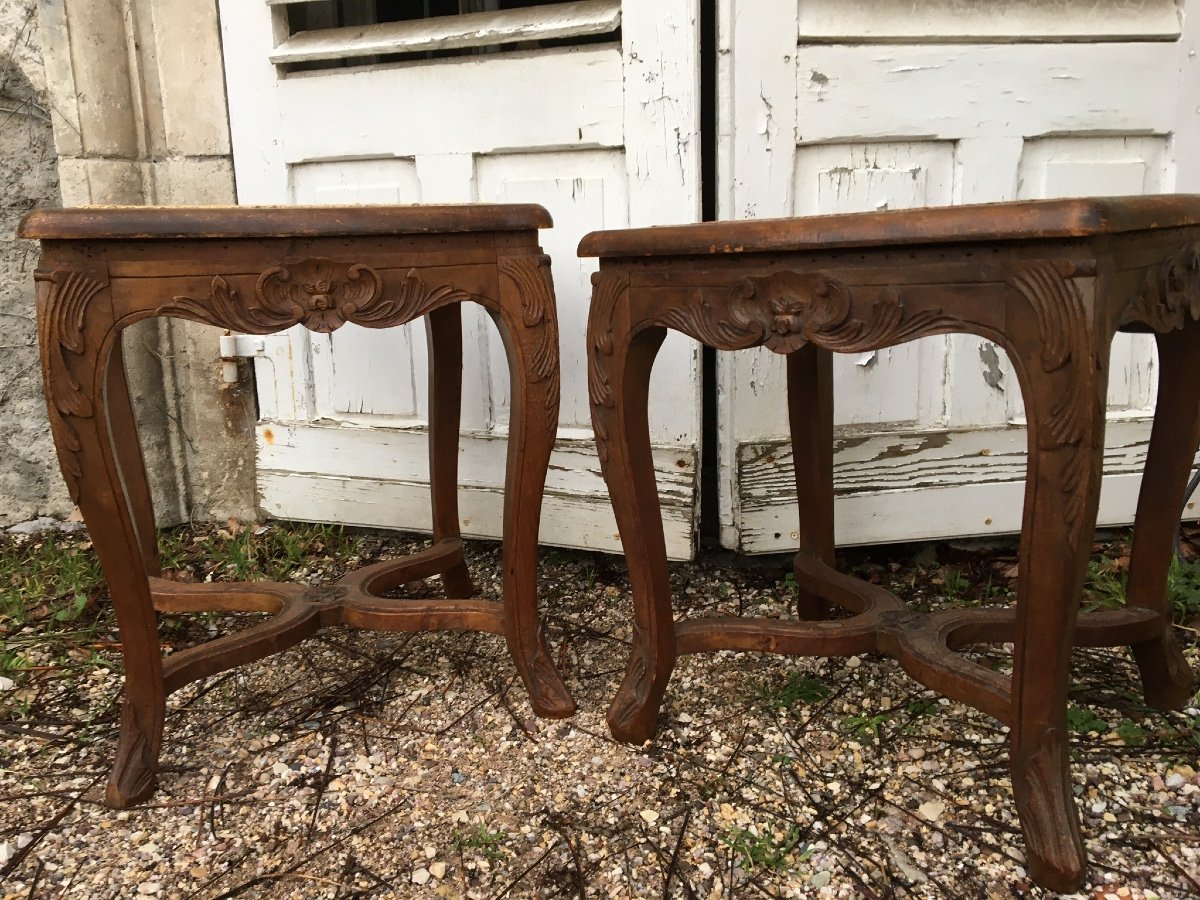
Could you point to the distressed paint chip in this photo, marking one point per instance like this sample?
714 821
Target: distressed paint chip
993 375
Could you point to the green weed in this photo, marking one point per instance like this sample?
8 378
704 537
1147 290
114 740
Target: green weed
795 688
865 726
1183 590
48 578
1104 586
955 584
1082 720
776 848
1131 732
488 843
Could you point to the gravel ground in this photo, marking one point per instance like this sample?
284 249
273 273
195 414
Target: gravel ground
392 765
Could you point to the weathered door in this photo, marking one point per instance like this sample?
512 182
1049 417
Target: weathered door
830 107
588 108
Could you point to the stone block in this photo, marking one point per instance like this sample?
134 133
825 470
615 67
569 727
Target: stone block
103 88
194 181
101 182
191 77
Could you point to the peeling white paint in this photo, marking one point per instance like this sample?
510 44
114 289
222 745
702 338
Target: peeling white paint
604 135
930 118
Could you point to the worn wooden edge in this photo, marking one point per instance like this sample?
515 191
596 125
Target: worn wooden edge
1012 221
162 222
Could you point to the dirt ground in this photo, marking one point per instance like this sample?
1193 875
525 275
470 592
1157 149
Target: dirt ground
398 765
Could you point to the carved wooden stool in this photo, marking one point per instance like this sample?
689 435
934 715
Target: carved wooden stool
1050 282
261 270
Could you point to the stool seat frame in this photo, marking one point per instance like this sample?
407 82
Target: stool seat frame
259 271
1050 282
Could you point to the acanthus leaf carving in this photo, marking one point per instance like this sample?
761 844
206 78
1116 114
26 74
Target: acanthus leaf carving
318 293
786 310
1064 332
531 277
63 300
608 289
1170 293
1045 801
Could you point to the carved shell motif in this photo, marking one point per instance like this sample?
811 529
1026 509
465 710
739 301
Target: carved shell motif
789 309
786 310
319 294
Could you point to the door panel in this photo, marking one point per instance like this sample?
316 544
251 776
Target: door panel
877 387
932 103
604 134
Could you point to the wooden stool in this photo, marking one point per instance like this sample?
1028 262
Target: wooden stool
1050 282
261 270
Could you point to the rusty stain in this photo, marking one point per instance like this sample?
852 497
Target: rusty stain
268 436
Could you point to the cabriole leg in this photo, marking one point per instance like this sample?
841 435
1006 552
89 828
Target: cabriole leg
529 328
92 423
1167 680
619 382
810 415
1063 369
444 335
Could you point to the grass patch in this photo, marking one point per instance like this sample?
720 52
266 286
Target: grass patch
50 581
267 552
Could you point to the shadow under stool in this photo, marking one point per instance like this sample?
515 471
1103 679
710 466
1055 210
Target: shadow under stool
1049 281
262 270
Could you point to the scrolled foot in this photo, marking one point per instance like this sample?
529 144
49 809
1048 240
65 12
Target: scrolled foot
633 714
1049 820
1168 682
548 694
133 775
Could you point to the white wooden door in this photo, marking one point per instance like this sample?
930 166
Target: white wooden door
588 108
831 107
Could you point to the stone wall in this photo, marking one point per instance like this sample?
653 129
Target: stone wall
29 481
135 91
